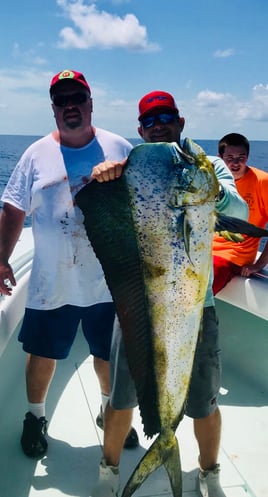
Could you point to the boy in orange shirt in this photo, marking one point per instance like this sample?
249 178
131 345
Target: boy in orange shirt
229 258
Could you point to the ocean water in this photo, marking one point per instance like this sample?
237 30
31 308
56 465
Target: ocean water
12 146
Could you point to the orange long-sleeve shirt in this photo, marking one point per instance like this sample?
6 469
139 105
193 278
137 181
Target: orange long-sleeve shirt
253 188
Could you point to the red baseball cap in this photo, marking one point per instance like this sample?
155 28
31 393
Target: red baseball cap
68 74
157 100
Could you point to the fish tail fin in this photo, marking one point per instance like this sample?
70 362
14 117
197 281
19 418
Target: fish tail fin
232 228
173 468
164 451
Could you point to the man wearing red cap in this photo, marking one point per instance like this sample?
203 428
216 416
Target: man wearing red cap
67 285
159 121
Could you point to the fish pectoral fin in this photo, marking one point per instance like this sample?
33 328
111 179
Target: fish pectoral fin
232 228
164 451
186 236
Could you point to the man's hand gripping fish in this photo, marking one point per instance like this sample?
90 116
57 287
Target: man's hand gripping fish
152 231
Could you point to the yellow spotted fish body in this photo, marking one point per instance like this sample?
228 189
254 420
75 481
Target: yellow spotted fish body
152 231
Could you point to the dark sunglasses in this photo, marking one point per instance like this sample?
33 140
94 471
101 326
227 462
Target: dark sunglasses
77 98
148 122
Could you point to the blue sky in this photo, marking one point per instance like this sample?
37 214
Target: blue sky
211 54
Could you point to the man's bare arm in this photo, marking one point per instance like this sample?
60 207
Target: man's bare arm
11 224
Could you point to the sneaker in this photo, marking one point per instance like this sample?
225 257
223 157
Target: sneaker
132 440
109 481
33 440
209 483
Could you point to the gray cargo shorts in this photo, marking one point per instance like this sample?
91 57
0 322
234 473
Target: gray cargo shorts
206 374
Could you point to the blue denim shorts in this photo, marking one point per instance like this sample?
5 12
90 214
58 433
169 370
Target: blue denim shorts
51 333
206 375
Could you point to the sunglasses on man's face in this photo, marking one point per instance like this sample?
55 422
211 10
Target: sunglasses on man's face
77 98
164 118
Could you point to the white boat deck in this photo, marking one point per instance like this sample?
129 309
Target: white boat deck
70 466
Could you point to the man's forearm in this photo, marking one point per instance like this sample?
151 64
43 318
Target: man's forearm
11 224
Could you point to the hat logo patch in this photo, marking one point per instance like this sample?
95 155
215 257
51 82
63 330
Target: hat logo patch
66 74
158 97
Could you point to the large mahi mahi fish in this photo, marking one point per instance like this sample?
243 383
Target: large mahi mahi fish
152 231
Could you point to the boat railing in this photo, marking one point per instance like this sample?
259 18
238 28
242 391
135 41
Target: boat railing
12 307
22 265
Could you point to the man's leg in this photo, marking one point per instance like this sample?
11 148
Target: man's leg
208 432
118 417
46 336
102 370
97 325
224 271
202 404
117 426
39 373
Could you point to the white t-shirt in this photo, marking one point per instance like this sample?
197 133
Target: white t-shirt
44 182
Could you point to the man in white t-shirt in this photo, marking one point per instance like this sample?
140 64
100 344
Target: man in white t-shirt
66 285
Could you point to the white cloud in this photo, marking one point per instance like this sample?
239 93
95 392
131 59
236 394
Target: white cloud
228 52
94 28
208 98
24 102
217 113
21 80
257 108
